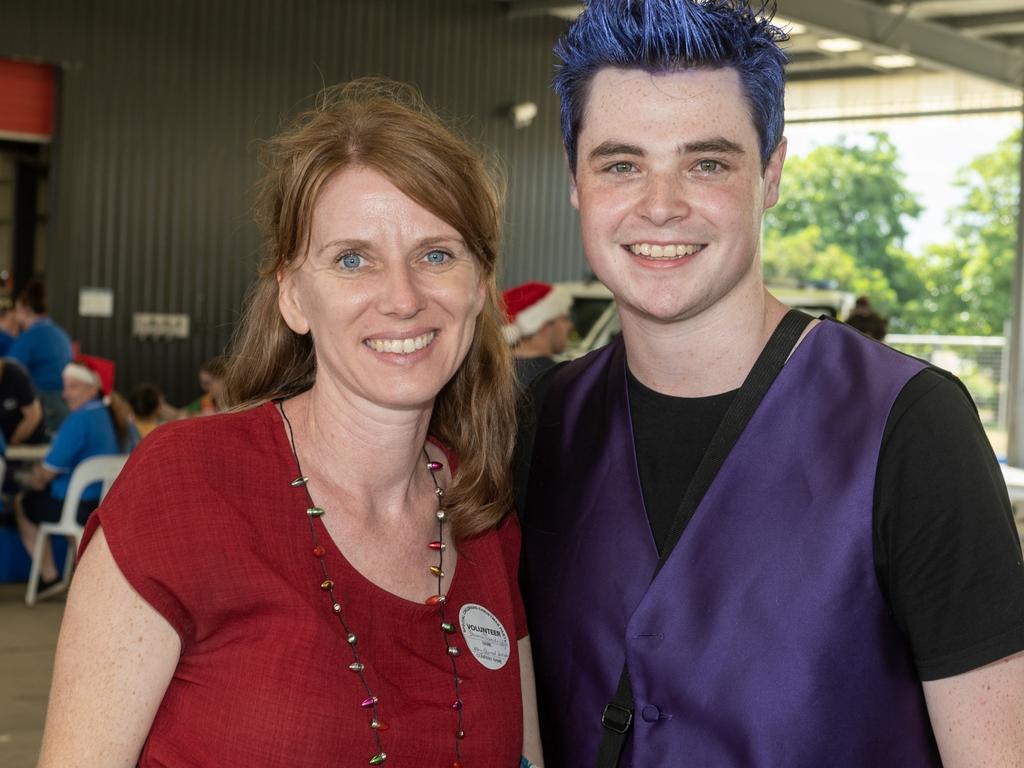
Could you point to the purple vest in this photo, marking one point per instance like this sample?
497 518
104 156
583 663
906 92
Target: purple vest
765 639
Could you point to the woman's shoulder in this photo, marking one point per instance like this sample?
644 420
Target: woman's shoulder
248 428
183 464
203 446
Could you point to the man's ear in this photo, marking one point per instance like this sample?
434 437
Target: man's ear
574 195
773 174
288 301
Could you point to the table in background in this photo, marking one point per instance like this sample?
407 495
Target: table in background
26 452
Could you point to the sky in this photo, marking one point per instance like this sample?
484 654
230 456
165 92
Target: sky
931 150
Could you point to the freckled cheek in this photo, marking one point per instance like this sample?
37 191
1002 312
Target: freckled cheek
602 209
723 205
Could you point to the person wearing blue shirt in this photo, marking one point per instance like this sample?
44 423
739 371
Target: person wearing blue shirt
92 428
44 348
8 328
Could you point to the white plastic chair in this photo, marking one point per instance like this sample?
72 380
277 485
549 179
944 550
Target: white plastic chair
102 469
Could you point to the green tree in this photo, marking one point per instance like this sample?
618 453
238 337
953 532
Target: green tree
805 257
985 227
938 308
855 194
968 281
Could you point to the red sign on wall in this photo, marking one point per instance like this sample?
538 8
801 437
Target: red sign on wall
26 100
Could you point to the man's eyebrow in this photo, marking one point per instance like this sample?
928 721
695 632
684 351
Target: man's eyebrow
609 148
716 145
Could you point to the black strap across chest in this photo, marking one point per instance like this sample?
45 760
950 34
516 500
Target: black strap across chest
617 717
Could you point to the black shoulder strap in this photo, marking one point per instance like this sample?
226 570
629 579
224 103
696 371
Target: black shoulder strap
617 717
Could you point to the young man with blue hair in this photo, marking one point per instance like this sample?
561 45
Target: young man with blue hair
749 538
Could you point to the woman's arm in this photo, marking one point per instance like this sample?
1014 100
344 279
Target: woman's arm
115 657
531 724
38 477
31 415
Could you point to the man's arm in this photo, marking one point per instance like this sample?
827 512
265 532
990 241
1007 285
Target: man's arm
31 415
978 717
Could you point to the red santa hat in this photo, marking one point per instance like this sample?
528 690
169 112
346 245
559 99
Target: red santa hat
530 305
97 371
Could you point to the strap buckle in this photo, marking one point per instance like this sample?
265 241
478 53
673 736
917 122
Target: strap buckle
617 718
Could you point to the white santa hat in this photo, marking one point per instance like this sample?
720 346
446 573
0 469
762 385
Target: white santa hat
530 305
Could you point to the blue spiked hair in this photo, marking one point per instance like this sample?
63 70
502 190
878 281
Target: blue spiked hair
670 35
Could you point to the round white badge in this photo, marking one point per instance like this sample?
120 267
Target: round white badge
486 637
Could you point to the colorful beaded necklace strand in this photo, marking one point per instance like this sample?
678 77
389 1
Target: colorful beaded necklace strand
371 703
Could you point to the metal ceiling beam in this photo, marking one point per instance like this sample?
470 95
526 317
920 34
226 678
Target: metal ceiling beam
996 32
983 21
928 8
929 42
1010 41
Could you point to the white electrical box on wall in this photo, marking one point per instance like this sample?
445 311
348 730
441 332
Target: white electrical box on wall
95 302
160 325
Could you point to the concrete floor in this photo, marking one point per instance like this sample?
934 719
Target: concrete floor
28 639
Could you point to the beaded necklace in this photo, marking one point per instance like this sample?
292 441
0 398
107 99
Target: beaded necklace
370 703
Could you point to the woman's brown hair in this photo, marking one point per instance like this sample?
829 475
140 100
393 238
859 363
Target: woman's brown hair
385 126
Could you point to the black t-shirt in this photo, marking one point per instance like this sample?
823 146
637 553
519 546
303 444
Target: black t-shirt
16 392
946 551
528 368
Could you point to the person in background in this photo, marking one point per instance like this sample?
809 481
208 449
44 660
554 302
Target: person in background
8 327
538 326
21 414
92 428
44 348
211 382
750 538
271 587
150 408
866 320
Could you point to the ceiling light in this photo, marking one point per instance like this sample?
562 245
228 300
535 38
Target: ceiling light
894 61
790 27
840 45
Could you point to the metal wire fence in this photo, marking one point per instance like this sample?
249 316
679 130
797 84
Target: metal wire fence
980 362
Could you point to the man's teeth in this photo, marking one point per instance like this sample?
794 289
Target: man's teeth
401 346
664 251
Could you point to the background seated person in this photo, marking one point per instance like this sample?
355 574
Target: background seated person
211 381
537 327
44 348
8 325
92 428
150 408
866 320
21 414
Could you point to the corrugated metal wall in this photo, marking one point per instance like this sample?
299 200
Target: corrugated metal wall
163 101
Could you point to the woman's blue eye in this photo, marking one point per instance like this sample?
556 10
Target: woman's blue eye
351 261
437 257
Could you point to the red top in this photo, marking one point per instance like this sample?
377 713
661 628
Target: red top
205 525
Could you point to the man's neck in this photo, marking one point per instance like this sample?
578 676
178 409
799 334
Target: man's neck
707 354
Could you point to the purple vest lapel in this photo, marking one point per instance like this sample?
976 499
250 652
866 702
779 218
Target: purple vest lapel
765 639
